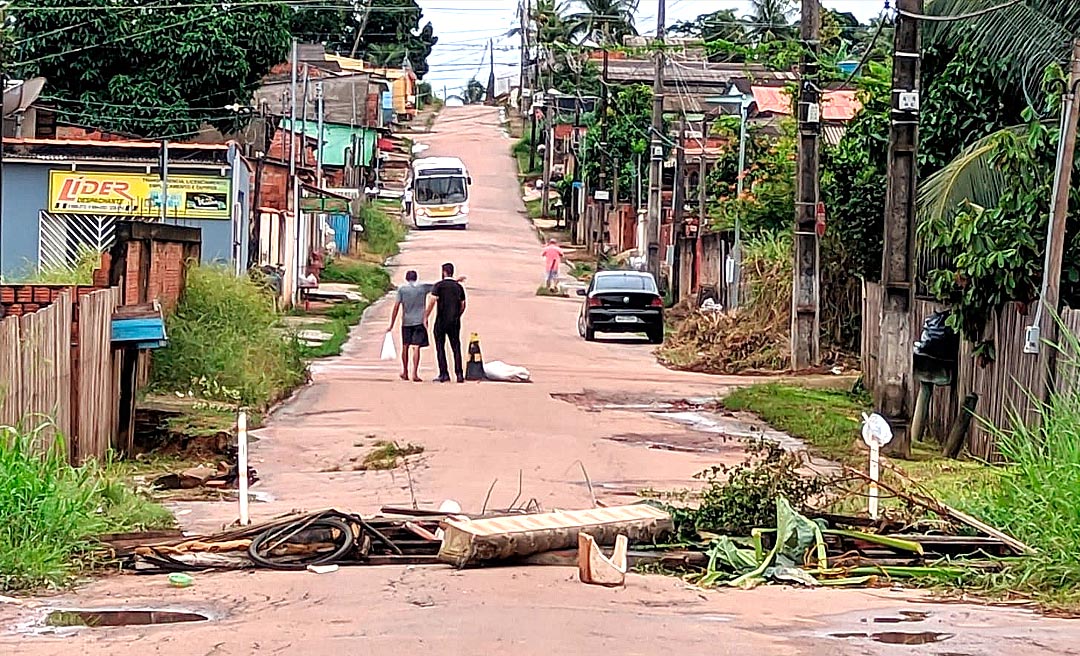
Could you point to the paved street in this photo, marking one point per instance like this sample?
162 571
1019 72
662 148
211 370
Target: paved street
476 434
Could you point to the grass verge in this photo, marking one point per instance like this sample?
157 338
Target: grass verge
50 511
382 232
521 150
224 344
372 280
341 318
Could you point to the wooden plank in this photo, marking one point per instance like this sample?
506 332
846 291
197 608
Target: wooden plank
99 376
11 387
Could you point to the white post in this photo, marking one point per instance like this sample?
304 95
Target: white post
872 507
242 465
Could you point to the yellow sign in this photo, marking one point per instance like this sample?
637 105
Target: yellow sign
132 194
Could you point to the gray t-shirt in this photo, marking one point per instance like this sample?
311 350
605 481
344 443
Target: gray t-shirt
413 299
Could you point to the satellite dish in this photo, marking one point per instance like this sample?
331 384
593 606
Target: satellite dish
19 95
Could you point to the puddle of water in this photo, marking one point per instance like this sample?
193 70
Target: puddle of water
98 617
898 637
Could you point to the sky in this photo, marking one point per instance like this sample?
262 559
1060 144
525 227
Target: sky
465 26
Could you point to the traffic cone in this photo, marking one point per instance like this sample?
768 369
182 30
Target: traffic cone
474 368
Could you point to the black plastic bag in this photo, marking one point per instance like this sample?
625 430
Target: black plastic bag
938 340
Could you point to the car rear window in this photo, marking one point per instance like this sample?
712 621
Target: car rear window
628 282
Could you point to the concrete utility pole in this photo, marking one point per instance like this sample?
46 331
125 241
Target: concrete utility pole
805 290
677 207
601 232
294 186
897 268
545 204
1055 234
490 99
656 150
319 129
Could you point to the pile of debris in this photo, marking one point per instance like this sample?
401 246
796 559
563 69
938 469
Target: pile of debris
812 551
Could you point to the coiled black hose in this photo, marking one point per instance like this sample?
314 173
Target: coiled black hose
264 543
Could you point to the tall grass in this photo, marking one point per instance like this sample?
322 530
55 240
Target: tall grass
224 343
382 232
81 273
50 511
1036 498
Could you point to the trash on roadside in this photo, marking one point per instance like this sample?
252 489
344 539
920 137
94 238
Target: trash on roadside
597 569
181 580
474 542
225 476
710 305
322 569
506 373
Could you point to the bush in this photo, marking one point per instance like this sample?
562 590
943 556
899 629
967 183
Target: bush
373 280
224 343
49 511
382 232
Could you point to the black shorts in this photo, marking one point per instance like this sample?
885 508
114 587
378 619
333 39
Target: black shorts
414 336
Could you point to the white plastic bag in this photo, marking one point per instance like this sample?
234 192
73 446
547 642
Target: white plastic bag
388 350
507 373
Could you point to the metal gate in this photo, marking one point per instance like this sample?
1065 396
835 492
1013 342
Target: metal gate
340 224
65 238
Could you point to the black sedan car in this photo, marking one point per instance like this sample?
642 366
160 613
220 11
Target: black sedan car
622 302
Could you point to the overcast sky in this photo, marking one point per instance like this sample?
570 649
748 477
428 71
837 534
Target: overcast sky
464 27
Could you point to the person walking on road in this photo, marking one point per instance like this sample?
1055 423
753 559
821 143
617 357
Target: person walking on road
414 335
448 301
553 257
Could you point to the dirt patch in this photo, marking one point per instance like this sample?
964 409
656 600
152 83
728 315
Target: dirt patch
596 401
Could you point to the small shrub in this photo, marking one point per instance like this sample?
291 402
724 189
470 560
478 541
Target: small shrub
224 344
743 497
387 455
50 511
82 273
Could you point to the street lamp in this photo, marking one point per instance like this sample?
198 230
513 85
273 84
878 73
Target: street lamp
734 262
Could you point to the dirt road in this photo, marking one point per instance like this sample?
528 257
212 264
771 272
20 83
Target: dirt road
474 434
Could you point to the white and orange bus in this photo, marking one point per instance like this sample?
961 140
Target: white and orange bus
439 187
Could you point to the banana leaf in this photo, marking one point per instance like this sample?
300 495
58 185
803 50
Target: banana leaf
894 543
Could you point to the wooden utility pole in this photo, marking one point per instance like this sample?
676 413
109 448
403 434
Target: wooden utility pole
603 204
897 268
805 290
490 99
1055 235
656 150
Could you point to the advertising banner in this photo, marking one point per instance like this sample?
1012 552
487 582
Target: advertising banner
138 195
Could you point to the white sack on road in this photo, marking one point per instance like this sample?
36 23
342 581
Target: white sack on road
388 350
507 373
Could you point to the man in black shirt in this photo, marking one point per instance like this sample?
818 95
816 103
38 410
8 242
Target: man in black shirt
448 299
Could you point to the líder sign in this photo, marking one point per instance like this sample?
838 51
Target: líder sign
130 194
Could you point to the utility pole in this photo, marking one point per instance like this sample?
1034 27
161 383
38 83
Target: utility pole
294 188
523 28
897 268
362 27
805 291
548 148
1047 313
602 232
164 173
677 202
656 150
319 129
491 76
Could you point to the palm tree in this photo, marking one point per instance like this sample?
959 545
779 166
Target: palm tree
606 21
1027 37
770 20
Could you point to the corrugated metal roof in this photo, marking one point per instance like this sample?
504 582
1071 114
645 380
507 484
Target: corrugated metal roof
833 133
839 105
91 143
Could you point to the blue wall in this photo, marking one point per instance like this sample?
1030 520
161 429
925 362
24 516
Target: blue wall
26 189
26 193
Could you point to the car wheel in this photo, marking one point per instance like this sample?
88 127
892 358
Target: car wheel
656 336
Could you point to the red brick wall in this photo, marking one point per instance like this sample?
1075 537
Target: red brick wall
166 280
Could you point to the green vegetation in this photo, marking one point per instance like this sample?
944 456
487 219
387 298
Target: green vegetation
342 317
1036 498
82 273
224 344
382 232
534 208
542 290
50 511
521 151
372 280
388 455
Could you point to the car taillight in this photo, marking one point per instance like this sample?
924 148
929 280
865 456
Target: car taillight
657 302
594 302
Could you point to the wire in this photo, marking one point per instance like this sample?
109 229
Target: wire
958 17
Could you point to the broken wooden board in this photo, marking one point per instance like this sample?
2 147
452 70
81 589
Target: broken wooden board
474 542
595 568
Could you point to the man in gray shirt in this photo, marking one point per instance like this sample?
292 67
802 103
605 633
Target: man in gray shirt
411 298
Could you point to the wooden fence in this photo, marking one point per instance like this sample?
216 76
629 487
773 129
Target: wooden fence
1002 385
58 373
